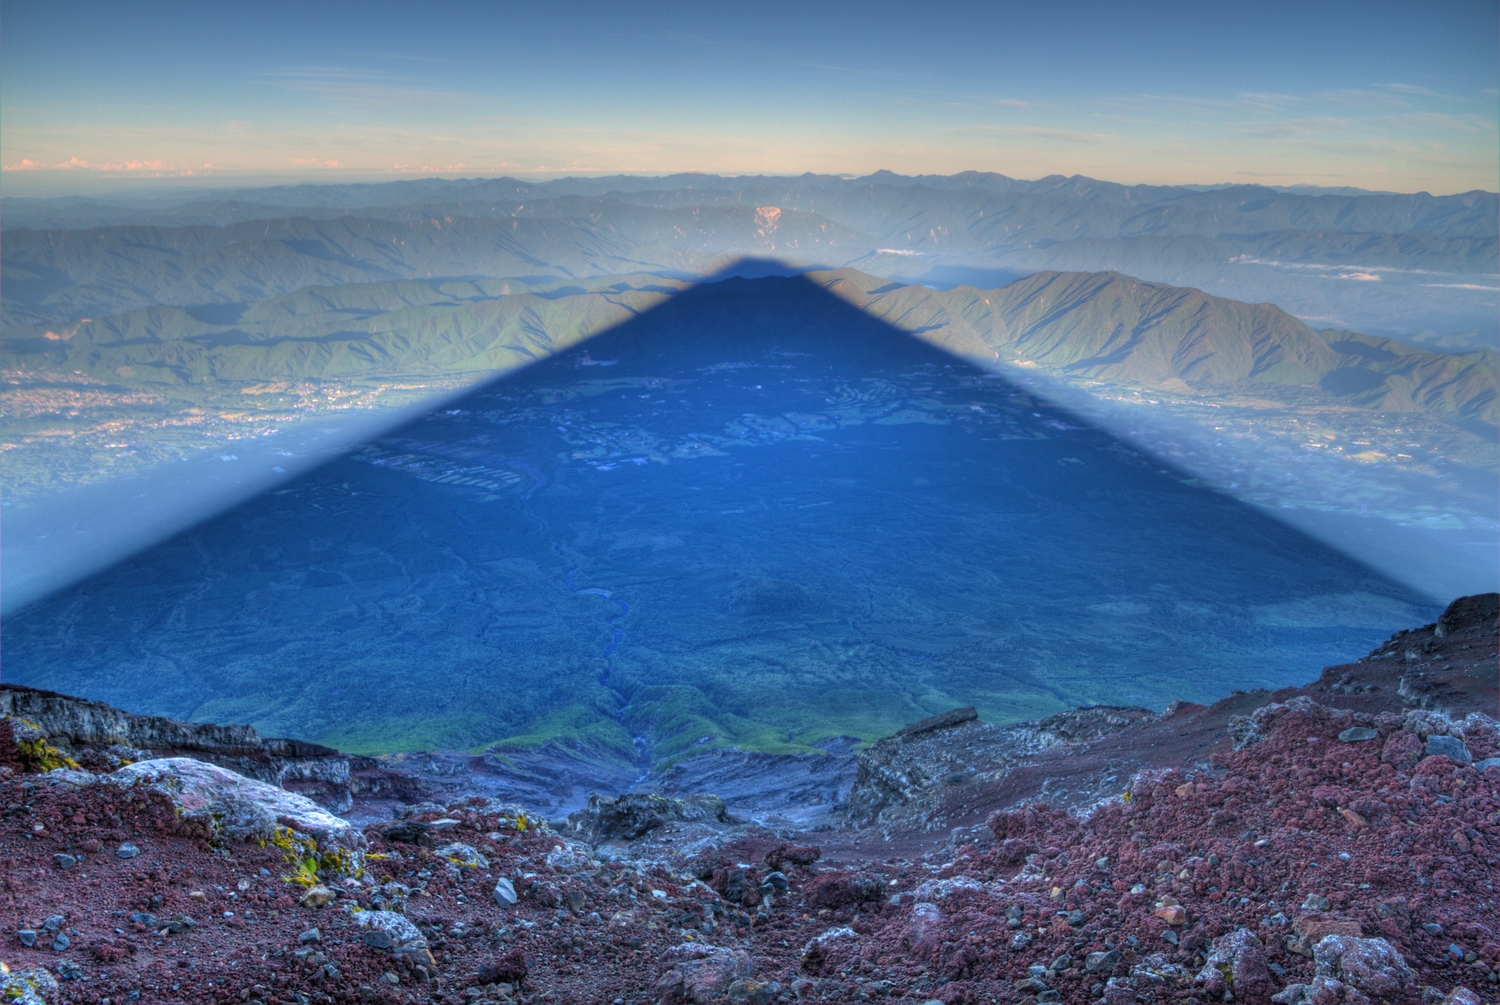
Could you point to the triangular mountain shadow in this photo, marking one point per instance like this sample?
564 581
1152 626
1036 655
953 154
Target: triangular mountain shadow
751 516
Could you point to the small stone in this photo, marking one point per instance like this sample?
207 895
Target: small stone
1020 941
1456 951
1031 985
1063 962
92 846
317 896
1314 902
1101 963
377 939
127 850
54 923
1450 747
1169 936
63 861
1173 914
505 892
751 992
1345 856
405 831
389 978
1101 864
27 937
311 935
777 881
61 942
1355 820
180 924
1433 929
1355 734
1488 762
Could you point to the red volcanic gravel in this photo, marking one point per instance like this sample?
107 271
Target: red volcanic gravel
1252 841
1393 842
583 932
1246 861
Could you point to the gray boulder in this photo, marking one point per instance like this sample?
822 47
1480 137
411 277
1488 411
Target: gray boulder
237 808
1450 747
1372 966
1238 961
636 813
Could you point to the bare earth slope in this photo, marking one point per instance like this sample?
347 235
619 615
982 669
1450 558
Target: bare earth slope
1333 843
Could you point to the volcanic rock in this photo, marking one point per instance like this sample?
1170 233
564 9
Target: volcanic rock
1372 966
234 807
1240 960
631 815
904 781
105 737
700 973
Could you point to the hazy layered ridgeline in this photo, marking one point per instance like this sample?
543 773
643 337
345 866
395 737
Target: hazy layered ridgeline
1418 267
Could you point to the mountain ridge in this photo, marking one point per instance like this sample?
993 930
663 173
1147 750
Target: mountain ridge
1105 326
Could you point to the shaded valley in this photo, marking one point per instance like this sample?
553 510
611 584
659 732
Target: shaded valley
754 516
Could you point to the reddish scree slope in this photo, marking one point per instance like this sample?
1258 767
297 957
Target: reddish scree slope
1293 836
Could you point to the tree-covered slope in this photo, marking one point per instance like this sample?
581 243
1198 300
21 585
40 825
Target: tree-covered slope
1104 326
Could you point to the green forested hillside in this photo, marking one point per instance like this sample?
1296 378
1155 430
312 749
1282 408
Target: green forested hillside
1103 326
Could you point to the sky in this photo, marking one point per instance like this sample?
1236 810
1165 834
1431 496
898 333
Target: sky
1392 96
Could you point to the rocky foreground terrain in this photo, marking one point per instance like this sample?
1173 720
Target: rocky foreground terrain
1336 843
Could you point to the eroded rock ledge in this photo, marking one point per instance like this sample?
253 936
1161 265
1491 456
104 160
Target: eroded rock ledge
100 736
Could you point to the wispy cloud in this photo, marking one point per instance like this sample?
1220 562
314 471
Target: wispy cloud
1042 133
353 86
151 168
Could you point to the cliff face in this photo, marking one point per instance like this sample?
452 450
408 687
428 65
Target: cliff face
101 736
904 782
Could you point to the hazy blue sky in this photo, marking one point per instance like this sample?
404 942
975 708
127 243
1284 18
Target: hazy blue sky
1379 95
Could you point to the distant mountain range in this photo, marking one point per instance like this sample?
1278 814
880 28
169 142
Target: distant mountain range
1120 210
1102 326
1420 266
